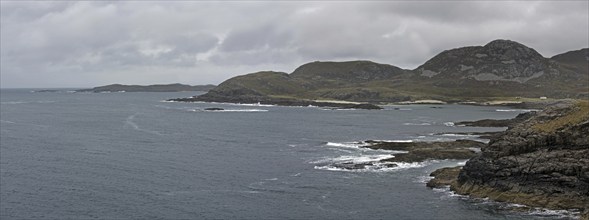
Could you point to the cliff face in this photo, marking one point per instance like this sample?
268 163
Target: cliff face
543 161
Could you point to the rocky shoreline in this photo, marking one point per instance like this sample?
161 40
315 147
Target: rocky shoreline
498 122
414 152
282 102
422 151
542 161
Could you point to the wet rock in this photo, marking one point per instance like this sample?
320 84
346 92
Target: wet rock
444 177
422 151
541 162
497 122
214 109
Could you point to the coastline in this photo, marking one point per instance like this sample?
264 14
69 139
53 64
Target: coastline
540 161
284 102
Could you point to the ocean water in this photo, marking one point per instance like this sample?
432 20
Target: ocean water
133 156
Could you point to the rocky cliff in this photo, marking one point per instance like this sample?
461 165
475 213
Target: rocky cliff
543 162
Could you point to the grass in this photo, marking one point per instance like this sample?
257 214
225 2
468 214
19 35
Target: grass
579 114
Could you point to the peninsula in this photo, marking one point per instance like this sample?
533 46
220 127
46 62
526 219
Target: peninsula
177 87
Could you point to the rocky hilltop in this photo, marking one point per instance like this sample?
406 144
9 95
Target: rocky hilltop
499 60
541 162
150 88
499 69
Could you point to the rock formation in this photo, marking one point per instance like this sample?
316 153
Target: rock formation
542 162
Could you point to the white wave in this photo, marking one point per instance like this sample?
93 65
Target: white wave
364 147
345 144
238 110
133 125
25 102
423 179
13 102
458 135
555 213
7 122
449 124
396 141
252 104
516 110
401 165
354 159
425 123
375 167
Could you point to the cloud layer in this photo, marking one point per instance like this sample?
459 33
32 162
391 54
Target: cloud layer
84 44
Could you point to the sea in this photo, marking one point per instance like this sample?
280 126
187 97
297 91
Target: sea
69 155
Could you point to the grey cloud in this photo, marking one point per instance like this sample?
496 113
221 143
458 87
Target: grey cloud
256 38
88 43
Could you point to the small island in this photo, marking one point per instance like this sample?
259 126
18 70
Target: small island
176 87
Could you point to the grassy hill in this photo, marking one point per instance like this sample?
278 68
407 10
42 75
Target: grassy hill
498 70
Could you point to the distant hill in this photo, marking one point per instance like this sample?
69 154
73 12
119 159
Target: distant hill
499 69
150 88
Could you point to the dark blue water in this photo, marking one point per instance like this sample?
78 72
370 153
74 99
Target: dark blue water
130 155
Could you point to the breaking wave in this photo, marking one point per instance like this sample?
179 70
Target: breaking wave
516 110
130 122
233 110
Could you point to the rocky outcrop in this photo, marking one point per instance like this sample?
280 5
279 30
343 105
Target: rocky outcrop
444 177
542 162
411 152
498 122
422 151
499 60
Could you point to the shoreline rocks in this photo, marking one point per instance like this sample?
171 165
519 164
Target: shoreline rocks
540 162
422 151
498 122
414 152
444 177
284 102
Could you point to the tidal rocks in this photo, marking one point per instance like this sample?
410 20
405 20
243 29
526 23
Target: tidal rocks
542 162
412 152
498 122
444 177
421 151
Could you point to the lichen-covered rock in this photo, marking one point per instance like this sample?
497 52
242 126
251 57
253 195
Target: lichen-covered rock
444 177
499 60
543 161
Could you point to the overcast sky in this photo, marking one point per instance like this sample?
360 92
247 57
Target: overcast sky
86 44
